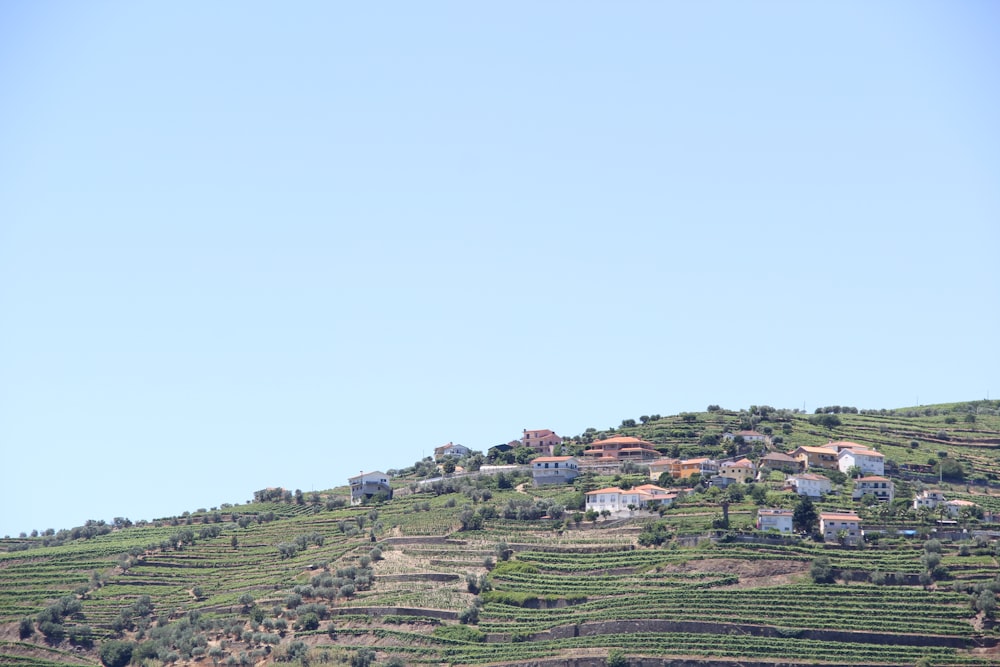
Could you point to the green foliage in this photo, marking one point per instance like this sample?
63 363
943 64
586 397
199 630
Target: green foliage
116 653
460 633
804 517
616 658
821 570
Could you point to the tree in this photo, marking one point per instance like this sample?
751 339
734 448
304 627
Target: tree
448 466
821 571
804 517
25 628
116 653
987 602
308 621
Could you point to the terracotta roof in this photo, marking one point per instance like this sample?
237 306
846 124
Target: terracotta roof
623 440
778 456
701 460
839 516
651 487
809 476
816 450
551 459
610 489
742 463
845 444
540 433
873 478
862 452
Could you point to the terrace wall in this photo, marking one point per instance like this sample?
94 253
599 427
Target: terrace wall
623 627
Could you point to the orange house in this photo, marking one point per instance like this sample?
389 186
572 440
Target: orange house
623 448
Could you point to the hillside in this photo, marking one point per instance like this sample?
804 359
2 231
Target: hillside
489 569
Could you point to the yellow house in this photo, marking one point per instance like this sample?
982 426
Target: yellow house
742 471
816 457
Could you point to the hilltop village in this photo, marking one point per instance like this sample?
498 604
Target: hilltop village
850 474
758 536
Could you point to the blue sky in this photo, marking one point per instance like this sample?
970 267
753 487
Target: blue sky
256 244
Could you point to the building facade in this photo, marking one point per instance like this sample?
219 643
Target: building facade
367 485
554 470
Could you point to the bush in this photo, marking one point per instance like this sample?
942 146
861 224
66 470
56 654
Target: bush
116 653
616 658
54 632
309 621
821 571
462 633
25 628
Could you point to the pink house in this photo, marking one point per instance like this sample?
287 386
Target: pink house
542 441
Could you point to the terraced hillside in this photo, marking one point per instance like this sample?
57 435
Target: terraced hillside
492 570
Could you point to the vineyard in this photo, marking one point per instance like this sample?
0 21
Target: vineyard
414 581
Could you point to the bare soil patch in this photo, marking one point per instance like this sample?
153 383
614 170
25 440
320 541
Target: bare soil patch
752 573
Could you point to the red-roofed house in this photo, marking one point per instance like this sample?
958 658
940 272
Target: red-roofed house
616 500
689 467
816 457
542 441
660 466
622 448
741 471
779 461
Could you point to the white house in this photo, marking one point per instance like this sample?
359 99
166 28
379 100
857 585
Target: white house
880 487
929 498
955 507
868 460
554 469
655 495
368 485
748 436
616 500
775 519
451 449
832 523
808 484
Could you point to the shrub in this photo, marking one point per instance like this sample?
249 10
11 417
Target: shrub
116 653
309 621
363 657
821 571
462 633
616 658
25 628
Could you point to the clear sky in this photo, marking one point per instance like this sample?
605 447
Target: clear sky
259 244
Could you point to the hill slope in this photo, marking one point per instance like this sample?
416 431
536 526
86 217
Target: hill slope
401 582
